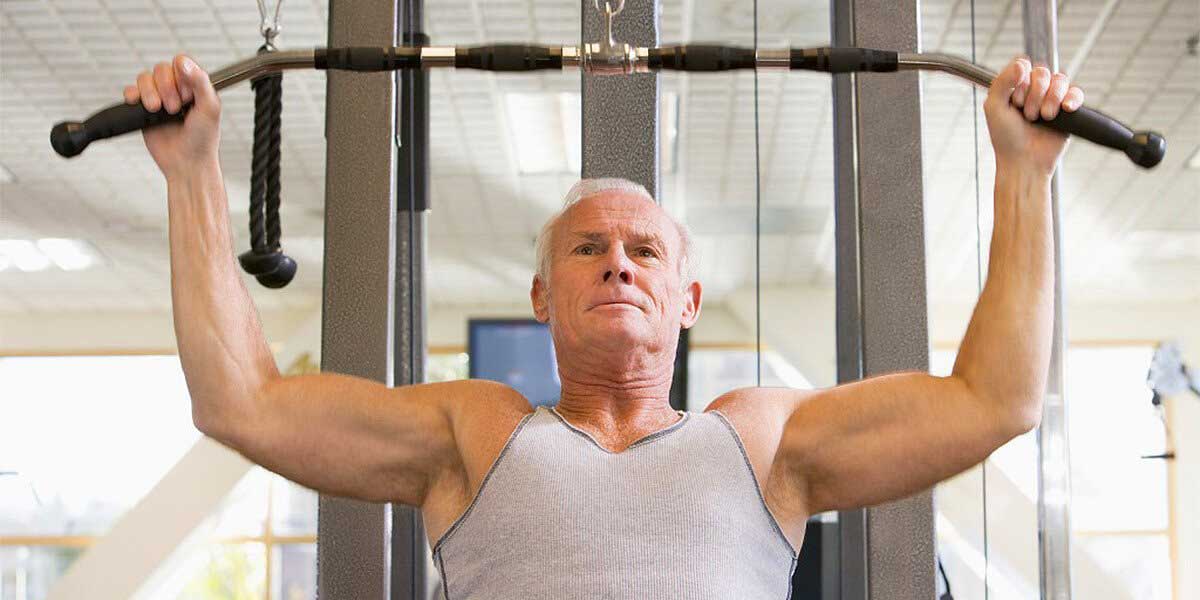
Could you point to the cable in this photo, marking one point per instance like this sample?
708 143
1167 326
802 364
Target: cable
757 226
946 580
979 290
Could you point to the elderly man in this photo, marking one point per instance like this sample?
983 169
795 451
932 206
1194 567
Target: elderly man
572 502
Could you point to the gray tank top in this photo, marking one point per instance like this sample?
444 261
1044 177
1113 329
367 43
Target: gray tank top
678 514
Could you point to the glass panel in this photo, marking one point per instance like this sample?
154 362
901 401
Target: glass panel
1113 425
293 508
1139 565
30 571
243 512
105 412
229 572
956 158
795 156
447 366
294 572
714 372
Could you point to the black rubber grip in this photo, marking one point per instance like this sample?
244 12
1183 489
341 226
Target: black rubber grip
701 57
69 138
508 58
368 58
844 60
1144 148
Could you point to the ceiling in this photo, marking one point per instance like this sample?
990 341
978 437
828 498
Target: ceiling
1130 234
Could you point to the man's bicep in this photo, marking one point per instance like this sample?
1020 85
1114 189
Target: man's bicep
353 437
885 438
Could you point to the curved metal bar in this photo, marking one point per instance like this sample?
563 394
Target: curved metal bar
946 63
262 64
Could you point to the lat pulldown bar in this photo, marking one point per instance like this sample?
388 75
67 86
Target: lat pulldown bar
1145 148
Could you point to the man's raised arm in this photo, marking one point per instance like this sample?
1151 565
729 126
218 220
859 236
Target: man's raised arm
337 434
887 437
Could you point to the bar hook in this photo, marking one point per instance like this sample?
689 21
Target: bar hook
269 25
609 13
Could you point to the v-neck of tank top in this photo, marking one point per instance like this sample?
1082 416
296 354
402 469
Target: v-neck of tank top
650 437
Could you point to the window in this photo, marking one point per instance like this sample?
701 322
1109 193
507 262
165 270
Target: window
1119 500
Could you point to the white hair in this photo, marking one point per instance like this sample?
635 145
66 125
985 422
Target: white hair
586 188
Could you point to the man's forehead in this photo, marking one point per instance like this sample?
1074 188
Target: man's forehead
627 213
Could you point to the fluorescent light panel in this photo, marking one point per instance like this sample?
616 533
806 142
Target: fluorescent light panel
539 131
30 256
69 255
548 137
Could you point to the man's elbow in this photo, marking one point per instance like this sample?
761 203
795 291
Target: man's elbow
228 420
212 423
1023 416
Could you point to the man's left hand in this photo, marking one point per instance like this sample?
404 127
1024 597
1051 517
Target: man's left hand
1020 94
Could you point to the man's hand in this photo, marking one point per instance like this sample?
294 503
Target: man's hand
179 148
1023 93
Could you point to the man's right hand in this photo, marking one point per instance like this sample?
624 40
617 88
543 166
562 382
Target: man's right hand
171 86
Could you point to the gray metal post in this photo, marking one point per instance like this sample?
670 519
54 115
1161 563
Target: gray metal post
886 551
620 114
411 560
357 329
1054 467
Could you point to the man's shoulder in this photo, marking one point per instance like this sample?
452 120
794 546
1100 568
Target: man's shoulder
481 411
483 416
758 404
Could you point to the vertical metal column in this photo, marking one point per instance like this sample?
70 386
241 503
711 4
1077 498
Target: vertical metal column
411 562
620 114
357 321
1054 467
886 552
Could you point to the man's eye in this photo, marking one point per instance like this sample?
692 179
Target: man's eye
585 250
646 252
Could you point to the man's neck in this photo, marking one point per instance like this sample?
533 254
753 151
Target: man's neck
617 414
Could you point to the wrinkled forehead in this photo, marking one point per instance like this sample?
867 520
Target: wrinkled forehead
627 215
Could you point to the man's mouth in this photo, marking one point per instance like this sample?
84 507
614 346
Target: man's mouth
617 303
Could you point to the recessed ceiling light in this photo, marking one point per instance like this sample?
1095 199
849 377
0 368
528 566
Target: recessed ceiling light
6 176
24 255
69 255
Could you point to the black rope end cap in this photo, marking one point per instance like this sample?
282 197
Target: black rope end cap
273 269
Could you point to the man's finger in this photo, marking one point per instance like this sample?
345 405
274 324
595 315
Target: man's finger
1039 82
164 80
1073 100
1008 81
146 89
1054 96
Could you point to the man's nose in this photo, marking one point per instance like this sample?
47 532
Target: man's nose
625 274
618 266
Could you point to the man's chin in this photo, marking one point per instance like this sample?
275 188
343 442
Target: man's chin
625 327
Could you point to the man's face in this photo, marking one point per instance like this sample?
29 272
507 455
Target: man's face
614 276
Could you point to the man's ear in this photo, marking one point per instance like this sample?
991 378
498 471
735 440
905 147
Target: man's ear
691 305
538 297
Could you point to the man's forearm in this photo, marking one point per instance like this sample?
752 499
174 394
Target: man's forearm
224 355
1005 353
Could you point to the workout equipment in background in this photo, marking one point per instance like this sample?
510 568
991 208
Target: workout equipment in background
607 57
